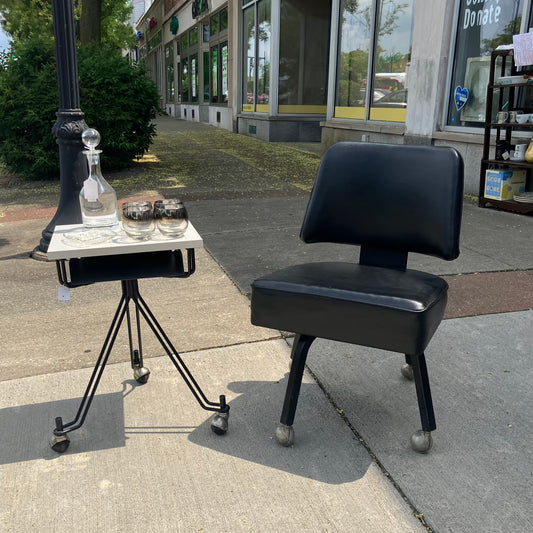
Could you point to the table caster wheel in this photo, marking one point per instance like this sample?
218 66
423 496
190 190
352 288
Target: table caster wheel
60 443
141 375
421 441
407 372
284 435
219 423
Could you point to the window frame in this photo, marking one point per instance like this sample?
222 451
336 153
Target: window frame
256 107
217 41
368 111
526 23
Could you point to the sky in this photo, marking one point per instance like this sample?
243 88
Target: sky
4 40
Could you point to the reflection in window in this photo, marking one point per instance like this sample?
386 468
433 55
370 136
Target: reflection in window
256 60
353 56
170 83
214 74
194 77
263 56
219 73
169 64
214 24
224 73
477 36
303 56
389 59
206 76
193 37
249 59
224 19
185 79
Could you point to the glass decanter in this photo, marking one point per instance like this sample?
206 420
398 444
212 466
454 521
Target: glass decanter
98 200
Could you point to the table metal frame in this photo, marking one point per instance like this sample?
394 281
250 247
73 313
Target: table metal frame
128 269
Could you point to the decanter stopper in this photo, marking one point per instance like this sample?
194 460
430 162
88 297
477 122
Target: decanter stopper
90 138
98 200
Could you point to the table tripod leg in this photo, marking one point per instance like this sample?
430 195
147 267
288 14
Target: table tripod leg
219 423
60 440
140 372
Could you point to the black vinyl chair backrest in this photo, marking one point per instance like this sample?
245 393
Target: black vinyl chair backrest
390 199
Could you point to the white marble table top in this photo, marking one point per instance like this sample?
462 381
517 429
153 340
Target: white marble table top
63 248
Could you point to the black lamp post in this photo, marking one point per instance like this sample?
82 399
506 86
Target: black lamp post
68 127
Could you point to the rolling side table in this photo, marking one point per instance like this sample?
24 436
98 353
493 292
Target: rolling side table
125 260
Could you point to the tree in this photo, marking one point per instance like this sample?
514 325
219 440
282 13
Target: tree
117 97
387 23
105 21
91 21
22 19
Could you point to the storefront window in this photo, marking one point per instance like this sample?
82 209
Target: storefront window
379 53
185 79
190 66
214 24
482 26
214 74
304 54
184 42
224 72
217 69
193 37
219 73
206 77
169 66
224 19
256 61
194 77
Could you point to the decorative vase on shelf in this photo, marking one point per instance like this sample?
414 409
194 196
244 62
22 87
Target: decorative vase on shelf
529 152
98 200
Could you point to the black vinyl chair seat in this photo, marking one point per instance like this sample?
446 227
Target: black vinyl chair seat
396 310
389 200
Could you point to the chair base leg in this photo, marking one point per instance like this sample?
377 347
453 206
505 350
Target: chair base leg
407 371
421 441
285 433
141 374
219 423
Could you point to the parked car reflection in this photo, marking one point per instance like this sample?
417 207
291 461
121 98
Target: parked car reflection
393 99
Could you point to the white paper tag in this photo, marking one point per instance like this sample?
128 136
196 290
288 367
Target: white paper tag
90 190
63 294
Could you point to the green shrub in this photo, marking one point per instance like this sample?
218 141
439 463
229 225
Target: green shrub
28 103
118 100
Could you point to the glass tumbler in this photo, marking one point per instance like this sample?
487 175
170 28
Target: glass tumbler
138 219
171 217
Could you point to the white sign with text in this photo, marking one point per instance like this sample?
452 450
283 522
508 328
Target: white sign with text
523 49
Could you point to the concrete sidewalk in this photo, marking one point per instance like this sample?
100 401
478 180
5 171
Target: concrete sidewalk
146 459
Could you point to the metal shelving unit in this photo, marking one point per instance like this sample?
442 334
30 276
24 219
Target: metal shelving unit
504 96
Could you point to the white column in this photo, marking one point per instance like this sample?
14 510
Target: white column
428 71
333 51
275 25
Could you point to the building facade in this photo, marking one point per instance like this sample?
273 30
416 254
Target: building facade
397 71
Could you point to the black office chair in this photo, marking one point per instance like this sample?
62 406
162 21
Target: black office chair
390 200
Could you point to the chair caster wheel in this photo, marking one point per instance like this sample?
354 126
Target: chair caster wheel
59 443
421 441
141 375
285 435
219 423
407 372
